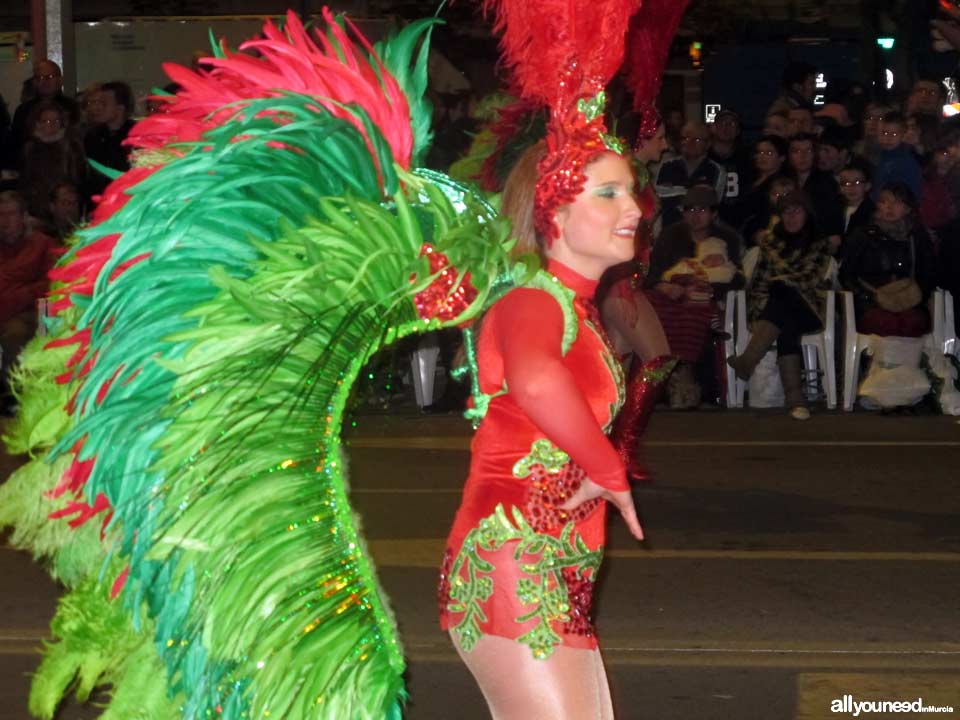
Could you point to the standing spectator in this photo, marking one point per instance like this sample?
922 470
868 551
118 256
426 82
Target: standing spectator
47 87
25 259
783 300
889 267
777 124
833 150
109 111
693 264
923 132
673 123
896 162
820 187
869 146
927 96
727 151
855 188
4 135
798 88
800 121
937 206
50 156
693 167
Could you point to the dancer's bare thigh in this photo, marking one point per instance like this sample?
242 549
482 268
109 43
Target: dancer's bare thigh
570 685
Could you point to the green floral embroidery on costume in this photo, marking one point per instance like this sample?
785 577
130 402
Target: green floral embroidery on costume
542 452
542 556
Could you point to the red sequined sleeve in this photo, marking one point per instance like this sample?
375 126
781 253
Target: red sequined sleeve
529 334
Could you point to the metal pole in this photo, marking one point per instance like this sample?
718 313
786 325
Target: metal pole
60 41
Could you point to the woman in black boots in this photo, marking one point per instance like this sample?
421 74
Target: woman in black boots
783 300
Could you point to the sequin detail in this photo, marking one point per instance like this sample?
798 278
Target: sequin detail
550 489
542 452
549 560
580 596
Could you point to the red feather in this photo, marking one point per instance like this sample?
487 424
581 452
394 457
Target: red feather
648 46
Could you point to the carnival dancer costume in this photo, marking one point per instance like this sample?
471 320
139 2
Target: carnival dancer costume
187 483
517 564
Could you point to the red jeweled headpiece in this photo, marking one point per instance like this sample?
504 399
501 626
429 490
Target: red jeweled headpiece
562 53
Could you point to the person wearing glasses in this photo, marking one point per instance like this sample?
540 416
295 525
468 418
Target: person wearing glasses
47 85
693 167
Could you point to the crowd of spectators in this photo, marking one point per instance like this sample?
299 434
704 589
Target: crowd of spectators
858 194
867 185
52 150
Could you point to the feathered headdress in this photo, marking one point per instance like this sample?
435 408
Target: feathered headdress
648 45
562 53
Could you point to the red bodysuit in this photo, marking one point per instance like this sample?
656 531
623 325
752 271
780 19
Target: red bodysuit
517 566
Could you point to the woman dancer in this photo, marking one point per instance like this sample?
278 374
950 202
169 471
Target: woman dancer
527 540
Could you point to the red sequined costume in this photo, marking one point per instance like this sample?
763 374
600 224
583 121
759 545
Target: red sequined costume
516 565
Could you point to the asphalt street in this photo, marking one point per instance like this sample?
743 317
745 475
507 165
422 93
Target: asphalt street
787 565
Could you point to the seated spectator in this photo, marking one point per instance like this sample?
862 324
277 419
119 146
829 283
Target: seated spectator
728 152
783 299
896 162
109 111
889 268
833 150
855 189
25 259
51 156
820 187
692 266
779 187
937 206
65 211
693 167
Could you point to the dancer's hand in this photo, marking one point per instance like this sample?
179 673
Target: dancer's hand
622 499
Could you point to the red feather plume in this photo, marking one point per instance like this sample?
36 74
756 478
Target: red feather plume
648 46
331 69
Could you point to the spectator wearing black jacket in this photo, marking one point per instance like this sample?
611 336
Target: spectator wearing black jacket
819 186
109 113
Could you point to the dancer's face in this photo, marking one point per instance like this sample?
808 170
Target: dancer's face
598 227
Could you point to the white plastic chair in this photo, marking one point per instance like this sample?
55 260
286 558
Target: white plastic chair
948 335
817 348
856 343
730 346
423 368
